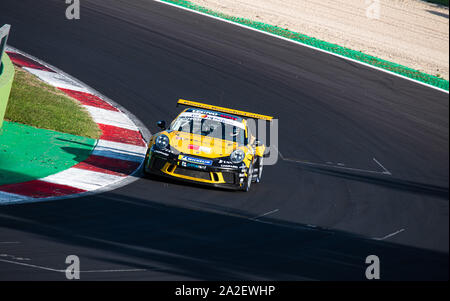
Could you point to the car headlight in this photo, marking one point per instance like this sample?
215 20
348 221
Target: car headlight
162 141
237 156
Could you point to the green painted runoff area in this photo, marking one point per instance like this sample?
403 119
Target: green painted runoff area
28 153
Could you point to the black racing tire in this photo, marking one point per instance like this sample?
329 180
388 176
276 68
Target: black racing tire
260 165
144 169
248 182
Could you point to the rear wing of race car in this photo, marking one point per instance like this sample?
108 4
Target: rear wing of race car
223 110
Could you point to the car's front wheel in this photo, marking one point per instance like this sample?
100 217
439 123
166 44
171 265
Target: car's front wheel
146 162
249 181
259 165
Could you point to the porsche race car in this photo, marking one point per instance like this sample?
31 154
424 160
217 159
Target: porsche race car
207 145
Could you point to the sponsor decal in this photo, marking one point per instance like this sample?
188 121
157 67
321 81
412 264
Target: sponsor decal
228 166
200 148
225 162
160 152
205 149
227 116
192 165
195 160
206 113
201 116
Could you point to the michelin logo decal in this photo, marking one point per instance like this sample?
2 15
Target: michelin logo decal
195 160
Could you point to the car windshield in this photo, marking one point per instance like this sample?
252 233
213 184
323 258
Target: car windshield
208 125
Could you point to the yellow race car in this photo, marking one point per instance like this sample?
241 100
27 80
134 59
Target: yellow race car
208 145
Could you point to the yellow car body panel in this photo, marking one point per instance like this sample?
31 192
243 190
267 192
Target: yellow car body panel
204 146
171 170
199 145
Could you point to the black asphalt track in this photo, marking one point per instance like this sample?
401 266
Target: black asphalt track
304 221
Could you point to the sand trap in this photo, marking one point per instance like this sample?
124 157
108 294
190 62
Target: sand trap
409 32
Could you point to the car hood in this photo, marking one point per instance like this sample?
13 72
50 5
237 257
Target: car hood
198 145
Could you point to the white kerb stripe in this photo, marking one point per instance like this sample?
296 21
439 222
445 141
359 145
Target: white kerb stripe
57 80
6 197
113 118
82 179
121 151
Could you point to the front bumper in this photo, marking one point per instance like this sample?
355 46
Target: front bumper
169 165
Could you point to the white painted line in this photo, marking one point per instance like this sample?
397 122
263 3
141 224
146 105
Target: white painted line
339 166
82 179
278 151
335 166
389 235
113 118
265 214
304 45
297 227
14 257
30 265
384 168
63 271
57 80
121 151
114 271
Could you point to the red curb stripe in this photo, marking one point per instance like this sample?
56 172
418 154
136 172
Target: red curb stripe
89 99
116 134
40 189
24 61
109 166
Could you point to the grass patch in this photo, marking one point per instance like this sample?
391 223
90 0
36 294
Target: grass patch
38 104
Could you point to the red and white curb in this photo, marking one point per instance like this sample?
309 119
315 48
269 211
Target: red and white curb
118 154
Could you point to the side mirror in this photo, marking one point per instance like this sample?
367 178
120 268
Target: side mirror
161 124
